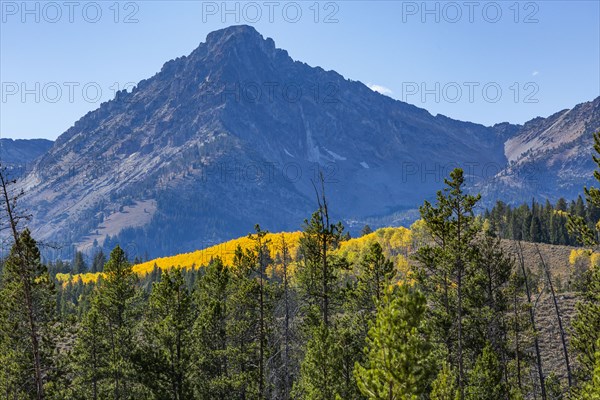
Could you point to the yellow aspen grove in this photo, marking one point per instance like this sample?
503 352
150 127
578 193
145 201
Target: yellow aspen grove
396 244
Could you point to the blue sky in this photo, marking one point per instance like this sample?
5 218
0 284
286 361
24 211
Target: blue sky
485 62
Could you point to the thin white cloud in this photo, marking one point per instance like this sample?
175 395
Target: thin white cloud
534 73
380 89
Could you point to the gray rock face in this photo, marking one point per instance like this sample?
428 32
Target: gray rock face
19 155
234 134
548 158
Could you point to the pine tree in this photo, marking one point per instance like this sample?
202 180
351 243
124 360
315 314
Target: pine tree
28 298
443 268
164 358
114 313
485 380
561 204
318 269
91 357
535 230
319 379
375 275
27 318
249 322
79 266
577 224
319 285
526 226
284 378
514 227
586 323
210 333
399 355
554 229
366 230
486 294
554 388
444 386
98 262
590 390
262 257
117 297
579 207
350 339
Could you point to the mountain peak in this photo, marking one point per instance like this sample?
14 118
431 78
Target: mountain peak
243 37
245 31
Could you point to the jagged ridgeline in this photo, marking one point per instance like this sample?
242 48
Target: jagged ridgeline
396 243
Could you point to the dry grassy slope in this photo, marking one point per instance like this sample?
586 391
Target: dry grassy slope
557 259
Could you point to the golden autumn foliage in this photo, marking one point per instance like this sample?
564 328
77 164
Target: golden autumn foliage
561 213
392 241
396 244
225 251
420 234
200 258
595 259
585 256
578 254
88 277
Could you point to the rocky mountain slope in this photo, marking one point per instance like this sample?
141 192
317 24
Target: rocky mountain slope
18 155
547 157
235 133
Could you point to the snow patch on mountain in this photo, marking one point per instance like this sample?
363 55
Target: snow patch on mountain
336 156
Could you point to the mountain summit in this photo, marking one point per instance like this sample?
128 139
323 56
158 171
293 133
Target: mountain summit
235 134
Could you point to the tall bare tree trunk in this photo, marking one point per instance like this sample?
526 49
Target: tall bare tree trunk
560 325
325 238
532 320
517 347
